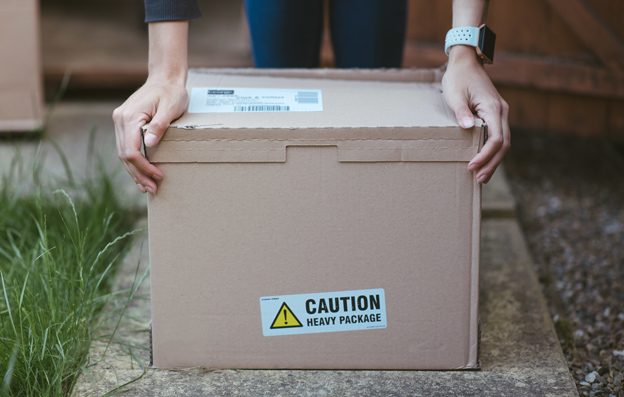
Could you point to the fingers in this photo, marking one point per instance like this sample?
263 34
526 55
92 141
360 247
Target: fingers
128 134
156 103
144 183
485 174
459 104
467 87
499 138
156 128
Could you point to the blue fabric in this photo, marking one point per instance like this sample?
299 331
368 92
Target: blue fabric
287 33
364 33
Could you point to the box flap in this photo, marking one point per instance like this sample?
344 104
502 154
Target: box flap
353 145
350 104
405 75
399 120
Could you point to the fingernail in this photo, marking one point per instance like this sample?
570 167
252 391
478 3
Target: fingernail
150 139
151 189
141 188
158 177
467 122
481 178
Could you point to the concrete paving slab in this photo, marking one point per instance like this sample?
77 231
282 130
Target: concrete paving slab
84 133
497 201
519 353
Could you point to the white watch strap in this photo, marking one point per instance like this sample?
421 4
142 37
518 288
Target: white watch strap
464 35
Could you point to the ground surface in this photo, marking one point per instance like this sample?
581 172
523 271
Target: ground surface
520 355
570 195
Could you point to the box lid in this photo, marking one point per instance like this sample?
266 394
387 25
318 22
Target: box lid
401 120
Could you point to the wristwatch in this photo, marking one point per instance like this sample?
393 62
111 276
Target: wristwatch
482 38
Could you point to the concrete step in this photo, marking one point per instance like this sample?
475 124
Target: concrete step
520 354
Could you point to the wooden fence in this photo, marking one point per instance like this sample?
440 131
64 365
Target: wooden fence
559 63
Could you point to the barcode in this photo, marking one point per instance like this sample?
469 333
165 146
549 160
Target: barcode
262 108
306 97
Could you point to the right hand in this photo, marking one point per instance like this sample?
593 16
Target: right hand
155 105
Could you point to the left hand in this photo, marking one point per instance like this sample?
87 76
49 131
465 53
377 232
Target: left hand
468 90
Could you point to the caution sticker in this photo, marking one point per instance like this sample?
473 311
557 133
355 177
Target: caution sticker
323 312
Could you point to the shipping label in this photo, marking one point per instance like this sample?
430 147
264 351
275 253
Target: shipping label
323 312
245 100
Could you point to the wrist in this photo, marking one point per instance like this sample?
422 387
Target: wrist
168 55
167 75
463 54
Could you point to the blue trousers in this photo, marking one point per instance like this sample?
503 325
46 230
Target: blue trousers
364 33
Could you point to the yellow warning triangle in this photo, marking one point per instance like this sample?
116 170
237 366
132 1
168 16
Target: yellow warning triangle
285 318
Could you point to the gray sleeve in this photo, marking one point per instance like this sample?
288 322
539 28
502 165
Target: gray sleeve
170 10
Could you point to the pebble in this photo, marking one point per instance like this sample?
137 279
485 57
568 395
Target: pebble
613 227
591 377
570 194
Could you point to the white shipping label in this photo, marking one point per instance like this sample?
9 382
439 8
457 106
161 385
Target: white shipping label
323 312
230 100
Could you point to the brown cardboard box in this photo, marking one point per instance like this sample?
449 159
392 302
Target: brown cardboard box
346 238
20 66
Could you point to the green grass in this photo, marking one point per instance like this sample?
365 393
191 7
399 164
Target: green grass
58 251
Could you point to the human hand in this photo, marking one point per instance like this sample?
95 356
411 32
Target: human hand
468 90
155 105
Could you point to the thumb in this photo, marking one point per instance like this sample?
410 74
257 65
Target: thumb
463 114
156 128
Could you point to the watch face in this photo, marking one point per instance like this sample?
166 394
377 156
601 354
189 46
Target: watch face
487 39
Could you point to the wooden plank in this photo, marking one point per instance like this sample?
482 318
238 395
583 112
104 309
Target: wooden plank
616 119
550 111
592 31
428 20
528 108
544 73
577 115
103 47
612 12
530 26
527 26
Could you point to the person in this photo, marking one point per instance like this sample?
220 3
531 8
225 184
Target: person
287 33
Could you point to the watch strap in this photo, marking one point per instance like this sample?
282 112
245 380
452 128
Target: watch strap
462 35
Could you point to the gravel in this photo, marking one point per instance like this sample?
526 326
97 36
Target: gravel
570 196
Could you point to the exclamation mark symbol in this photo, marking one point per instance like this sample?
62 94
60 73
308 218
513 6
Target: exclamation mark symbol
285 318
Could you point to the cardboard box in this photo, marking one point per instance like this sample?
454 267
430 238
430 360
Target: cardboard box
341 238
21 96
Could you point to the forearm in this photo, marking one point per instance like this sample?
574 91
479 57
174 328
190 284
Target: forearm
469 91
467 13
168 51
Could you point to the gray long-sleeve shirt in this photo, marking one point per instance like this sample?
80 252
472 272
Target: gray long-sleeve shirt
170 10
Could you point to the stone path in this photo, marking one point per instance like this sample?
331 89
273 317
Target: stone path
520 354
